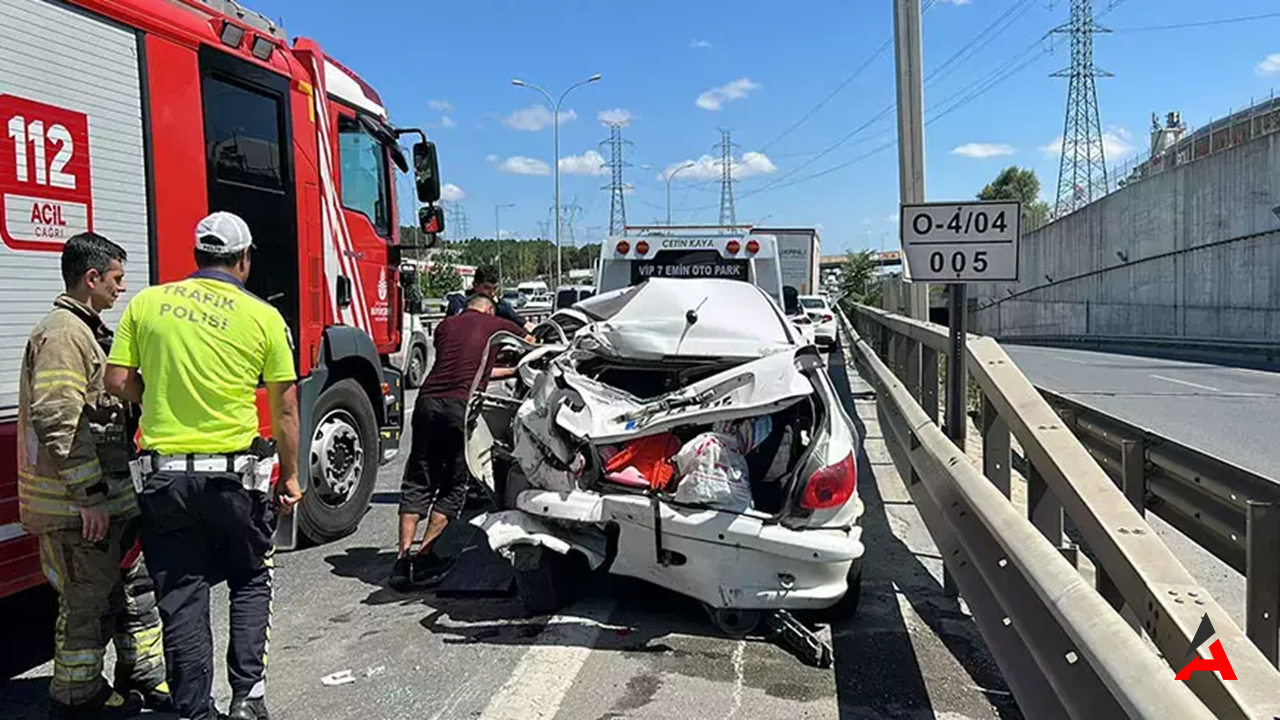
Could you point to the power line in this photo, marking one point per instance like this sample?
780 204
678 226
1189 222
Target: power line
875 55
728 216
1082 173
1203 23
617 188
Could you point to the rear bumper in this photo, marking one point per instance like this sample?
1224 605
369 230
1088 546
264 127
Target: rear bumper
825 333
722 559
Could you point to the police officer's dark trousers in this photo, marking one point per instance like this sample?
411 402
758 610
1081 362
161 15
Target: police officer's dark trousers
199 529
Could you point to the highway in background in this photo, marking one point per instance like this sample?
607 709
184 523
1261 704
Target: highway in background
1232 413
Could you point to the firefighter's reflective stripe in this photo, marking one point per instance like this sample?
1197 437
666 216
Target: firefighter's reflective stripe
82 474
51 496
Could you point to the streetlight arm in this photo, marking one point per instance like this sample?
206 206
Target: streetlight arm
573 87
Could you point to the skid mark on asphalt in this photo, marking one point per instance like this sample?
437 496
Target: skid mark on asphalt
739 673
547 670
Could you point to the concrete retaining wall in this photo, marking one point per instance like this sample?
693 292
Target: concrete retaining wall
1192 252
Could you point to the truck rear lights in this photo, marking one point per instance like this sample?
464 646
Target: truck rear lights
832 486
733 247
753 247
642 247
623 247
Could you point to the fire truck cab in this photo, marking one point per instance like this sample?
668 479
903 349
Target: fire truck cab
134 119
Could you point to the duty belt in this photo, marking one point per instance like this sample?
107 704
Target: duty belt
256 473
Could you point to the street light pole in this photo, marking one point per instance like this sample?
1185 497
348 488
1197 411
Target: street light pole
670 176
556 129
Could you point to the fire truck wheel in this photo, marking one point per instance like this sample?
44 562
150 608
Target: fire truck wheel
343 463
416 370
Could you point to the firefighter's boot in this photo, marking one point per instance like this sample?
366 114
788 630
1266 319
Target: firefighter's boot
246 708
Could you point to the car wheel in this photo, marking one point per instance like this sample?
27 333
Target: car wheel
416 370
343 463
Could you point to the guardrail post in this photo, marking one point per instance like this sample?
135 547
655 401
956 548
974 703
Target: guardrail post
996 447
1043 507
1262 578
1133 473
929 381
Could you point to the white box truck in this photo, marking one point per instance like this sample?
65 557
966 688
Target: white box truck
799 252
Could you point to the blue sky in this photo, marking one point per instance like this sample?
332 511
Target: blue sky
681 70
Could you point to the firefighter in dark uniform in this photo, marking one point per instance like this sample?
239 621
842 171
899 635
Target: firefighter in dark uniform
192 353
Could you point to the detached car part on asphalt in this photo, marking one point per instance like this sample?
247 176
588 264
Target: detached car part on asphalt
661 365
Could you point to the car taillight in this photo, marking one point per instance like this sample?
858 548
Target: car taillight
753 247
623 247
733 247
828 317
832 486
642 247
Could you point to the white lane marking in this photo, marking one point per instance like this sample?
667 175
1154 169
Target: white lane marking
540 680
12 531
1185 382
739 677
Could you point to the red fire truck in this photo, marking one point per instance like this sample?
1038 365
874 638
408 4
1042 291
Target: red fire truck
134 119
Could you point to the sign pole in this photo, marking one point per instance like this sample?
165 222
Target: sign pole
957 374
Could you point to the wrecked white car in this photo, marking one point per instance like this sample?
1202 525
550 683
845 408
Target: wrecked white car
679 432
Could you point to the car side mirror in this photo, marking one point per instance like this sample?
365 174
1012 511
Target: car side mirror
426 171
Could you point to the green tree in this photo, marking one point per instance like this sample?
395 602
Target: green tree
858 282
440 279
1015 183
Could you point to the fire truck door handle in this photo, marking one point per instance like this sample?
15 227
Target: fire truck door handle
344 291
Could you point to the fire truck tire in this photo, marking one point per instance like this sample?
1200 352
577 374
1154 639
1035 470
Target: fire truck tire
415 371
343 463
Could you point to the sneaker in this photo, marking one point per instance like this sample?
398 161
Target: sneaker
247 709
107 705
401 573
430 569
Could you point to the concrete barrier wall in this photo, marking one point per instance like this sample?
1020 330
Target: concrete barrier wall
1193 252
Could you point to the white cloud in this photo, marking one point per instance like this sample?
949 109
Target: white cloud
452 193
491 158
518 165
616 116
892 218
441 105
699 44
980 151
1270 66
447 122
588 163
628 189
535 118
1117 143
751 164
714 98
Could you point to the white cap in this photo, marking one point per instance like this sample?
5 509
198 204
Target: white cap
223 233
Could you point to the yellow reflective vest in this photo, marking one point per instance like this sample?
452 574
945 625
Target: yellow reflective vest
64 418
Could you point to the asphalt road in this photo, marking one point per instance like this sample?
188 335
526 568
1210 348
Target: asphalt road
1229 412
625 650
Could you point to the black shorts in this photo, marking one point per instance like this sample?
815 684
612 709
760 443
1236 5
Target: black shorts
436 475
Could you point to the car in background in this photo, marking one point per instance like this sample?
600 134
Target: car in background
569 295
514 298
538 303
819 310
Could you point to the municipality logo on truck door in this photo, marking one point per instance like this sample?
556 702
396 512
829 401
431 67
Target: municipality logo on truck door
45 189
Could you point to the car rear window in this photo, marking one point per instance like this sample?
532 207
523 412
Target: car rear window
813 303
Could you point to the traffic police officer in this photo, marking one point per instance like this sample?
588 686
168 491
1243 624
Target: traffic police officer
192 353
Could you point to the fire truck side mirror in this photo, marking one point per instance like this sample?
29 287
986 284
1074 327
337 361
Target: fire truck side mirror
426 170
431 222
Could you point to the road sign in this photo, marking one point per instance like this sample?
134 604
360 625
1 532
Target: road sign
966 242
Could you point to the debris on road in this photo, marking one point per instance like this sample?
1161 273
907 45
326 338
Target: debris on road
794 636
343 677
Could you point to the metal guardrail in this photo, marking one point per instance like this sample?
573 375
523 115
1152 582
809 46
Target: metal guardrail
1063 647
1230 511
1254 352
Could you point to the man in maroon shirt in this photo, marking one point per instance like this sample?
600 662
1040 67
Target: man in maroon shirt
436 476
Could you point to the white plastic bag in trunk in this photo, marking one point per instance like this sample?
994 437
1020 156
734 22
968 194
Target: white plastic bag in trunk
712 472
